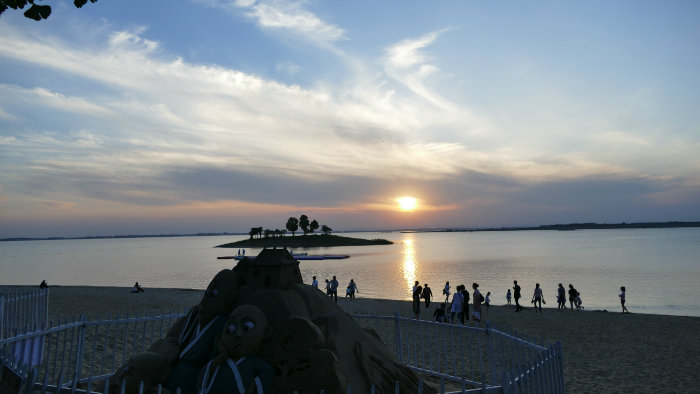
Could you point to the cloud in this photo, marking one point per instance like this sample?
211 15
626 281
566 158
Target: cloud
124 123
408 63
285 16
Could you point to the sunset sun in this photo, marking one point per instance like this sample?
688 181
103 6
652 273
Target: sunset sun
407 203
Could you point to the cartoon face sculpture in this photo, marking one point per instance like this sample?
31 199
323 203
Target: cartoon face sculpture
244 333
219 296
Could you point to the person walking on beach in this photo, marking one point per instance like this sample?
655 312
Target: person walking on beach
352 287
572 296
446 291
622 299
477 299
508 296
516 295
334 289
561 298
465 303
314 282
417 291
328 287
456 310
487 300
427 294
538 297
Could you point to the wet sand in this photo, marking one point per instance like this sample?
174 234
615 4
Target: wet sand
603 351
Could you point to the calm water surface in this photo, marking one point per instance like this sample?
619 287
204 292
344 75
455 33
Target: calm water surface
659 267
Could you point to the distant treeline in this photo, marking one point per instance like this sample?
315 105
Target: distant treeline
571 227
599 226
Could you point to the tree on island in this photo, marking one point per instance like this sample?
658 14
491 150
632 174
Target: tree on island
313 226
36 12
304 224
292 225
255 231
326 230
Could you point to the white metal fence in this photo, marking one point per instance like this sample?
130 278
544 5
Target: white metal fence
23 311
81 355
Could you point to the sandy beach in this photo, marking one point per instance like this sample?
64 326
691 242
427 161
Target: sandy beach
603 351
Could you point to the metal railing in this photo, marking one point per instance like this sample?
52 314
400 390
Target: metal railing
81 355
23 311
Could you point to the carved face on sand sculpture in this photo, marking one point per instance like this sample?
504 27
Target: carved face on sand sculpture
244 333
219 296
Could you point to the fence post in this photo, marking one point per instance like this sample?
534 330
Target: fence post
2 316
80 346
492 357
560 367
397 328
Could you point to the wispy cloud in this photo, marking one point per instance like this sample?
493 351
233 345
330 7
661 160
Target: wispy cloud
284 16
408 63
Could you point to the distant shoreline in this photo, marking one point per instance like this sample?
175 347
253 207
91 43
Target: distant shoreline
547 227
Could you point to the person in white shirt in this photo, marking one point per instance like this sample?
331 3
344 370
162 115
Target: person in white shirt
456 311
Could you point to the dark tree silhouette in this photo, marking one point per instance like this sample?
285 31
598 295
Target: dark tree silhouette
292 225
313 226
304 224
35 11
326 230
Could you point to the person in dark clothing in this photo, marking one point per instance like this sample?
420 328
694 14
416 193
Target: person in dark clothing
417 291
573 293
334 288
427 294
516 296
465 304
440 313
43 285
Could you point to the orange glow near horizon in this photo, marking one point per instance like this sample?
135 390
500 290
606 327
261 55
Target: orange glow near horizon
407 204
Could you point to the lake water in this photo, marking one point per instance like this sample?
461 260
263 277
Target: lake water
659 267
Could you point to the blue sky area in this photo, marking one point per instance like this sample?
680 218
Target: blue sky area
128 117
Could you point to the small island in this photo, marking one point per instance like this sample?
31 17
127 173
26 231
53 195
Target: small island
269 238
304 241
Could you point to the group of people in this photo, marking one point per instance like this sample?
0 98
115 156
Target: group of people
459 308
332 288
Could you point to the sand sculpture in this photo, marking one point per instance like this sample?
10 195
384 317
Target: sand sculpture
312 344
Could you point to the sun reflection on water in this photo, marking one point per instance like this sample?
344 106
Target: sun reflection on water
409 263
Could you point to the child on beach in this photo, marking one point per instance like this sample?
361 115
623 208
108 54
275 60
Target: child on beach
508 296
446 291
439 314
578 301
622 299
487 300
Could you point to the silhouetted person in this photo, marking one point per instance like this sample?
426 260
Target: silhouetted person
573 293
516 296
622 299
43 285
334 288
137 288
417 291
427 294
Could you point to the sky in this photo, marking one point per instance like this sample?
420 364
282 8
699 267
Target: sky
162 117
